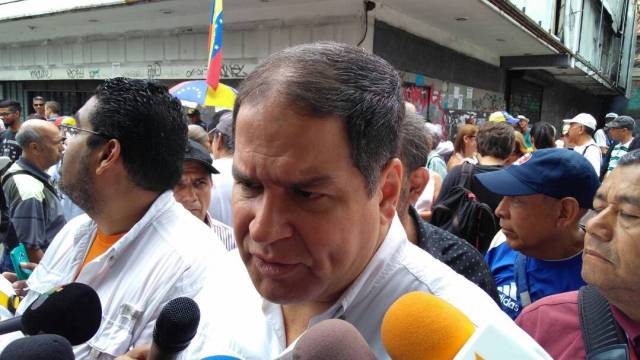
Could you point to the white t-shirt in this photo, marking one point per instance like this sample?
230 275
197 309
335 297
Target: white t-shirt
591 151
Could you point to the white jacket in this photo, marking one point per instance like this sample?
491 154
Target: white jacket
163 256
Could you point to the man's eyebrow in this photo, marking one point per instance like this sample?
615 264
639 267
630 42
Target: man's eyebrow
632 200
240 176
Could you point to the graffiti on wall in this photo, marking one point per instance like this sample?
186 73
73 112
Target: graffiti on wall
451 105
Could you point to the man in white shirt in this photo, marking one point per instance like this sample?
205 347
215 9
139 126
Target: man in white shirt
600 137
620 130
136 246
317 184
580 134
222 150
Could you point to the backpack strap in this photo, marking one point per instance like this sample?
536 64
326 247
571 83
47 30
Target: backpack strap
587 148
522 280
46 184
603 338
466 175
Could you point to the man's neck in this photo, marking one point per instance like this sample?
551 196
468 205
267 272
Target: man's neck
625 301
567 244
15 126
118 214
490 160
296 318
409 227
583 140
34 161
625 139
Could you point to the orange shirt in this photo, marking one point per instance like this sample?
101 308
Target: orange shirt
101 243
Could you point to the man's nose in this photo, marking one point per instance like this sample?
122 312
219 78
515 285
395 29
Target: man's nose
271 221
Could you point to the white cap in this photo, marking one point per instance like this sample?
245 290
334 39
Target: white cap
611 115
583 119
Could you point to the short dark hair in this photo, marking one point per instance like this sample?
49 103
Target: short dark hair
12 105
544 135
149 124
496 139
630 158
54 106
346 82
39 98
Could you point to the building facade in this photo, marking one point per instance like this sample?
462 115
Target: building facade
546 59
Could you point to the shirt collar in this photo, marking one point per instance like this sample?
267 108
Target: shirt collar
630 327
25 164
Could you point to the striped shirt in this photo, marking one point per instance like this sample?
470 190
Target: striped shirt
618 151
224 232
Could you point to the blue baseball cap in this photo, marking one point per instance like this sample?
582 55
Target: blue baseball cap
557 173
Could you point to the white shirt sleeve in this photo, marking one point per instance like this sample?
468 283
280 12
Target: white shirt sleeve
593 154
600 138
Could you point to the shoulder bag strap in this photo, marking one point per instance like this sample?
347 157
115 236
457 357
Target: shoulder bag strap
521 280
46 184
603 338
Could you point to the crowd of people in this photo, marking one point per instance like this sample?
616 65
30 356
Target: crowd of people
321 195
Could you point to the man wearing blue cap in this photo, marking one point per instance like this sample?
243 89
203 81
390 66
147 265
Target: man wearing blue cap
539 250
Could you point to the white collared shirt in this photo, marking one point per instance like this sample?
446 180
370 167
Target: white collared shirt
237 321
165 255
220 205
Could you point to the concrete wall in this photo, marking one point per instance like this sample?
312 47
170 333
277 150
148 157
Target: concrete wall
561 101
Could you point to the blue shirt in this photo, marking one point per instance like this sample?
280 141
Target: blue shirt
545 277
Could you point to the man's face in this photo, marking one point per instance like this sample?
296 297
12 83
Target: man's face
8 116
194 189
523 124
53 143
527 221
575 130
303 220
611 259
38 106
77 175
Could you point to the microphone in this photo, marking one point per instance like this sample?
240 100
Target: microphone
72 311
420 325
175 327
332 339
39 347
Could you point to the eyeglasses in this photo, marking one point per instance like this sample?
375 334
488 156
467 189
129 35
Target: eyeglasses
71 131
38 105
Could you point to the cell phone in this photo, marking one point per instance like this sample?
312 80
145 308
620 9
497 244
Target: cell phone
19 255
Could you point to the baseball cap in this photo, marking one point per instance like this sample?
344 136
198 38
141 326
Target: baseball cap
624 122
503 116
557 173
611 116
522 117
65 120
225 124
196 152
583 119
191 111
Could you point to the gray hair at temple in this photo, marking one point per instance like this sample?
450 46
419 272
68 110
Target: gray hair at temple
630 158
416 143
328 79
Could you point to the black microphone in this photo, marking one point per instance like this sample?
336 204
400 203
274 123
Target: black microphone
72 311
39 347
175 327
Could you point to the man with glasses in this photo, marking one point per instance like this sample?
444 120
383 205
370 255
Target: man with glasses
34 205
136 246
38 106
10 115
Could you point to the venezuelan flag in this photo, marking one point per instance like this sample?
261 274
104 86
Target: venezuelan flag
215 44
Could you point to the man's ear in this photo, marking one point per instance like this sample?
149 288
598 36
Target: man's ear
570 212
108 156
389 186
418 180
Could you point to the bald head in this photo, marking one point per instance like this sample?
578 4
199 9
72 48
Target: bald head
41 143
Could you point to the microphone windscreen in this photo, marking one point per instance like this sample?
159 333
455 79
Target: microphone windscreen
72 311
420 325
332 339
176 325
39 347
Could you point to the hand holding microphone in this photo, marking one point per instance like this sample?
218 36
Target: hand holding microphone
175 328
